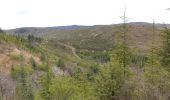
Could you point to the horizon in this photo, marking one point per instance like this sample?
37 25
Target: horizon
83 25
48 13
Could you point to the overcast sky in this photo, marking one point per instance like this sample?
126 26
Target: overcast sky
42 13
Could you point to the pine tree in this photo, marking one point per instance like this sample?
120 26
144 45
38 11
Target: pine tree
47 82
121 52
165 52
24 89
155 76
109 81
153 58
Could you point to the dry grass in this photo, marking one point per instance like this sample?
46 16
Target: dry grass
10 55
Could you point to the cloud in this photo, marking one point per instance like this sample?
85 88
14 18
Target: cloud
43 13
23 12
168 9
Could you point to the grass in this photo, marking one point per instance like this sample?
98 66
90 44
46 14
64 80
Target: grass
16 57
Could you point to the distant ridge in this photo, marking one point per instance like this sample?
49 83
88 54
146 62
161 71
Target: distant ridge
96 37
71 27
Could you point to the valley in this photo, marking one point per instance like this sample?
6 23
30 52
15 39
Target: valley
100 62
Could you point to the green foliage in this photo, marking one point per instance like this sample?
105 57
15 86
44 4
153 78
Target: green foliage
122 56
157 83
42 67
100 56
97 76
47 92
95 68
113 76
42 57
16 57
16 69
165 52
156 78
139 59
33 41
153 56
61 63
14 72
24 89
66 88
20 42
84 81
109 81
92 72
33 63
121 52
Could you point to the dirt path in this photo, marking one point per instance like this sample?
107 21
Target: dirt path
73 50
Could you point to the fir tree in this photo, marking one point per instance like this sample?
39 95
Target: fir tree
24 89
121 52
46 83
165 52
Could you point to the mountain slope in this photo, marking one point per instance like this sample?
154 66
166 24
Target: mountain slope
104 37
98 37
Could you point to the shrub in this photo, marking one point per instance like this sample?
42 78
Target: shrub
42 67
15 70
110 80
23 89
33 63
16 57
61 63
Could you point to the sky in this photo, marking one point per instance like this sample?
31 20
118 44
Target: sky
46 13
